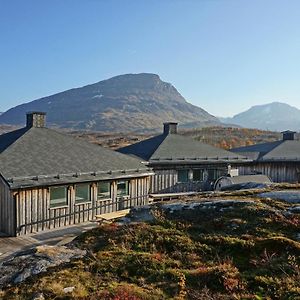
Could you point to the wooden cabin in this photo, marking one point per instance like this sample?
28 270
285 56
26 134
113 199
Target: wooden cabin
49 179
182 164
279 160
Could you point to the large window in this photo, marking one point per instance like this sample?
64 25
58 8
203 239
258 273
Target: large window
103 190
58 196
183 175
123 188
82 193
197 175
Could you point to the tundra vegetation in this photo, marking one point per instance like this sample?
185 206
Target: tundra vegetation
234 246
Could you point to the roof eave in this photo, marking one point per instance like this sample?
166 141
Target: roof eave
197 161
74 180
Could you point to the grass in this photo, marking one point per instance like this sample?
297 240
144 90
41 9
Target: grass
239 251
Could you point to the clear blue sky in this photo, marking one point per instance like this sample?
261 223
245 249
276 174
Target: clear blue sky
223 55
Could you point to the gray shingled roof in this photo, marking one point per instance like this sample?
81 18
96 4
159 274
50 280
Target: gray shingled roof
284 150
42 156
175 148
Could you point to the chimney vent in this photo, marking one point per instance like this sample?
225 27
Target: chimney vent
288 135
170 128
35 119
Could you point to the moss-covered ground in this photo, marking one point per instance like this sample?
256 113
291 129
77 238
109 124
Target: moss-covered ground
230 250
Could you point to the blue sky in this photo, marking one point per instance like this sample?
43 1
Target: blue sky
222 55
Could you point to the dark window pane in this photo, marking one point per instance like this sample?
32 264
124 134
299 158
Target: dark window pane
82 193
214 174
197 175
103 190
123 188
183 175
58 196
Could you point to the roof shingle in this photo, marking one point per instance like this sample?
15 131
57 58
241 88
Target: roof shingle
45 153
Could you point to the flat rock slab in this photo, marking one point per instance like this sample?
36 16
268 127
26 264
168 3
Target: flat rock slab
290 196
146 213
35 261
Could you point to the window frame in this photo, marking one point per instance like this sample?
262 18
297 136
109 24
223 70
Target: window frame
109 191
201 175
60 204
187 175
127 183
85 201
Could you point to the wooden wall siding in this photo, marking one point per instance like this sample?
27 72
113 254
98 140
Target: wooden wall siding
278 172
7 210
166 179
33 207
163 179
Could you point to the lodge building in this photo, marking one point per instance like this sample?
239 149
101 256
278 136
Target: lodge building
49 179
181 163
279 160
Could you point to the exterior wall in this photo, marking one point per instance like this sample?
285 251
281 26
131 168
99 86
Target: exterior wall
34 213
7 210
277 171
165 179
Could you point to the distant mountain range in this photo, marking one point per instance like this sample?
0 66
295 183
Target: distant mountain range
131 102
275 116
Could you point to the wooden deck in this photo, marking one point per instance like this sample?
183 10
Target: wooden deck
62 236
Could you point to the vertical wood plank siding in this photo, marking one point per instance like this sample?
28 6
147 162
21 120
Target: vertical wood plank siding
166 178
277 171
7 210
33 206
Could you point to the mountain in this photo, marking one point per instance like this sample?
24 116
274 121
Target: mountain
275 116
131 102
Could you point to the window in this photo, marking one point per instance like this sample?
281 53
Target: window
82 193
122 188
58 196
214 174
211 175
183 175
103 190
198 175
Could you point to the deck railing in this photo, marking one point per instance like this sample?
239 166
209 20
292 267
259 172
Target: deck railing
97 208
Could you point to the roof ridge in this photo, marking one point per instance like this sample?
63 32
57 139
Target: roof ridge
260 144
81 141
23 131
154 140
159 145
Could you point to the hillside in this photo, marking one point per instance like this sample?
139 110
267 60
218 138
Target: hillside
275 116
7 128
232 246
131 102
223 137
232 137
